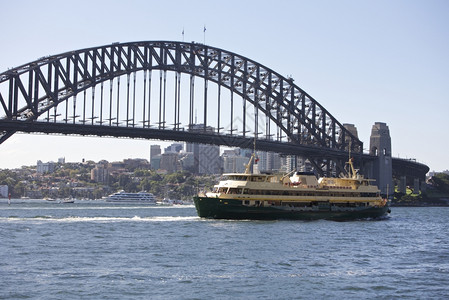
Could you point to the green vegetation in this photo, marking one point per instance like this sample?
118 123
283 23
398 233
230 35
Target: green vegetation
435 194
439 187
409 198
74 180
441 182
180 185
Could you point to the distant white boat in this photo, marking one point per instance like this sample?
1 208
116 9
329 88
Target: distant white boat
68 200
140 197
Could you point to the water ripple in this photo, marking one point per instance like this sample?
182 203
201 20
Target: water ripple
95 252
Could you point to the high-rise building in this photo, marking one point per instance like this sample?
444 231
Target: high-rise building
156 162
186 160
233 162
206 157
303 164
169 162
155 151
274 161
48 167
176 147
100 173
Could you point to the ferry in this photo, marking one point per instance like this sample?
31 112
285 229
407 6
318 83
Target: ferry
294 196
140 197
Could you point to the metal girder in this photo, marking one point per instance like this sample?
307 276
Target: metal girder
287 148
32 93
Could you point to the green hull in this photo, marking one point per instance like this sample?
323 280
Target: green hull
216 208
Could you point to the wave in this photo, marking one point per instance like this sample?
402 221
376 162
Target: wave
108 207
100 219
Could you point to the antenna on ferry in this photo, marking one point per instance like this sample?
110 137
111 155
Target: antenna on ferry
349 151
255 143
253 157
351 171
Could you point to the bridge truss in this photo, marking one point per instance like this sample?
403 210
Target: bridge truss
173 91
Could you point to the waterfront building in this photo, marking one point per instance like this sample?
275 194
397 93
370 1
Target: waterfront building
4 191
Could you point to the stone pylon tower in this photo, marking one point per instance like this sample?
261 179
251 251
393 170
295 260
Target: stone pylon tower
381 169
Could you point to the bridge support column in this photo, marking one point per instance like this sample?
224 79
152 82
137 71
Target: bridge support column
416 186
423 186
381 169
403 185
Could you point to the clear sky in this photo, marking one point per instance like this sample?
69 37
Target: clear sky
364 61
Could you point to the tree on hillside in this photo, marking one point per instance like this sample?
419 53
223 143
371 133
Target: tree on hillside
441 182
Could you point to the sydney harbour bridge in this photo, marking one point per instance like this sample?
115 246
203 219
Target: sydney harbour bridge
179 91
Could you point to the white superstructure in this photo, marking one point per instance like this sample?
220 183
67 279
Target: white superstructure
140 197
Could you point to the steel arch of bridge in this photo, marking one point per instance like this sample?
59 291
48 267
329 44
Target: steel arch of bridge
44 96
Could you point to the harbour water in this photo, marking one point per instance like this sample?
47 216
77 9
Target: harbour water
99 250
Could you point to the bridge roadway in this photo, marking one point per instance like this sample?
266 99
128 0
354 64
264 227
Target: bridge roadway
401 167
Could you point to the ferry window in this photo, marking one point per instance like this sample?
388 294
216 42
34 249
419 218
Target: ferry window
246 202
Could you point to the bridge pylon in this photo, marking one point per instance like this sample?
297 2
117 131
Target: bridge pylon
381 169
